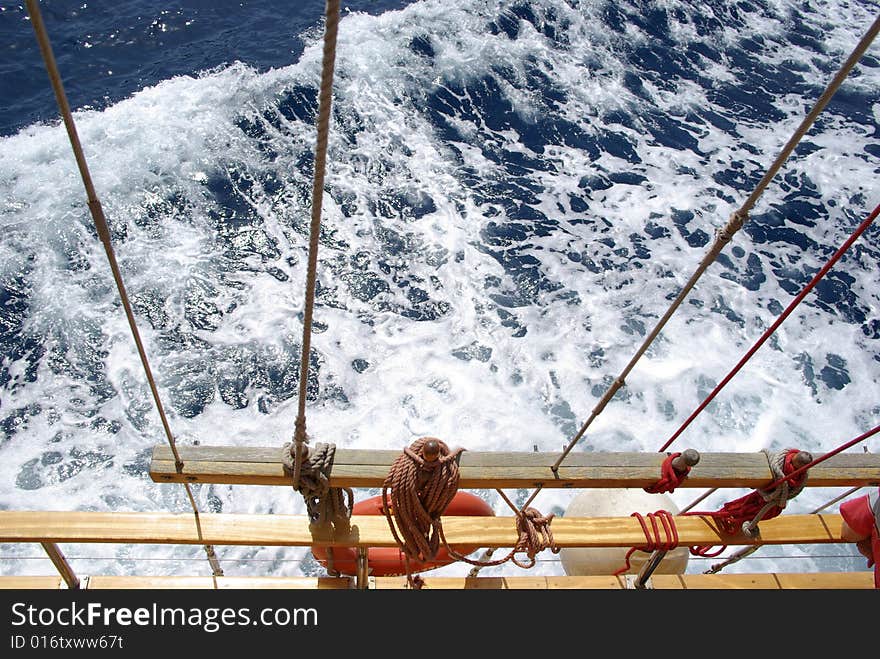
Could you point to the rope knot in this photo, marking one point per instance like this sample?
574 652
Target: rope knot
674 471
737 219
534 535
783 463
325 504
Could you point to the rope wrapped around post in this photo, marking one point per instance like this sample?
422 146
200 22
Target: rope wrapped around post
422 481
654 543
744 514
674 471
325 504
535 536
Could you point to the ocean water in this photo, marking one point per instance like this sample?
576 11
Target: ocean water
516 191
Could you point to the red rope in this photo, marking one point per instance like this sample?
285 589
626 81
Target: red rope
819 275
669 477
809 465
653 536
733 514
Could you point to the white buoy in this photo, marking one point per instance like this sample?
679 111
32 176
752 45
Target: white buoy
601 502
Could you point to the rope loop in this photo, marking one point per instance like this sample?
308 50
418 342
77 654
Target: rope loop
781 464
743 515
325 504
652 535
670 477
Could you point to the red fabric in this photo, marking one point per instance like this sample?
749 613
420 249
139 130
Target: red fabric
857 514
875 552
669 477
734 513
859 517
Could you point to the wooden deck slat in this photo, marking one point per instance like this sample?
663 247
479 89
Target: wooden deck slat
373 531
356 468
31 583
773 581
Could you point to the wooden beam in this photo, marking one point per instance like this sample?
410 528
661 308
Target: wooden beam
31 583
774 581
373 531
223 583
61 564
238 465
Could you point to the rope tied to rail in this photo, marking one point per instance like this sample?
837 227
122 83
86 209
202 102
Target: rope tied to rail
674 471
652 536
423 480
743 515
325 504
534 536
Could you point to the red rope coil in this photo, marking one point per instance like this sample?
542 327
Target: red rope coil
652 536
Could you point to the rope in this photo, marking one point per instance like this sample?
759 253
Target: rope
534 533
535 536
785 314
653 541
743 514
324 103
103 231
724 235
325 504
423 480
747 551
670 477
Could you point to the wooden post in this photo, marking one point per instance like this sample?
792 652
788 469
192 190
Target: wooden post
61 564
362 569
686 460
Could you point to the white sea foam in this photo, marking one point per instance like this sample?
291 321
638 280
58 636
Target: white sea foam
466 376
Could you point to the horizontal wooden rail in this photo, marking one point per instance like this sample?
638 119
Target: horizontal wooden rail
772 581
237 465
373 531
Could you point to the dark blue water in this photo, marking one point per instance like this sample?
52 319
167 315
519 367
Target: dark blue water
107 51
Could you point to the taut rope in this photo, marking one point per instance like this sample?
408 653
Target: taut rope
324 504
104 234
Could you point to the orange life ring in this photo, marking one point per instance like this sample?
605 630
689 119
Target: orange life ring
389 561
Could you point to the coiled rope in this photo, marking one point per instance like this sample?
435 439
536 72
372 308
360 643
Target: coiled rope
421 483
103 231
652 536
325 504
